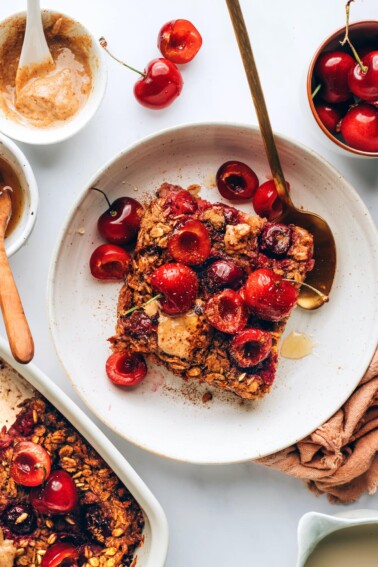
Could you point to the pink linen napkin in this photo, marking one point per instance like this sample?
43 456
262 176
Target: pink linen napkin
340 458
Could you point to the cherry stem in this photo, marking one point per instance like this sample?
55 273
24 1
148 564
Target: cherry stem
141 306
104 194
323 296
316 90
104 45
346 39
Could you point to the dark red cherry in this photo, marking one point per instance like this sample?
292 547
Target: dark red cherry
275 239
190 243
236 181
222 274
266 201
250 347
125 368
180 203
359 128
179 41
57 496
109 262
160 86
269 296
179 286
121 222
227 312
330 115
332 69
365 84
19 518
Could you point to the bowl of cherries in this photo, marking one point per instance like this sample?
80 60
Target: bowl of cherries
342 88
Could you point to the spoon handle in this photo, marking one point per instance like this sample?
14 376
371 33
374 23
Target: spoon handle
19 335
34 48
245 49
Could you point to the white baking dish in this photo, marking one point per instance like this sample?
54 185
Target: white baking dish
15 386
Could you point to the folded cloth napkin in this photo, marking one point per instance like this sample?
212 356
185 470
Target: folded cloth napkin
340 458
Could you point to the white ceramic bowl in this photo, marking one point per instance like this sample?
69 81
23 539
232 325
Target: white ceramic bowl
165 414
10 153
44 136
15 386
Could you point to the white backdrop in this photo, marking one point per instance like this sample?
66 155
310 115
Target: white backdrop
226 515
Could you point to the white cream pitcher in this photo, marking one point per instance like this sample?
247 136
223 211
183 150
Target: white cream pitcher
314 527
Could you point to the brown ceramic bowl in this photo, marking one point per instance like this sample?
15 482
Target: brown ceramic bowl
360 33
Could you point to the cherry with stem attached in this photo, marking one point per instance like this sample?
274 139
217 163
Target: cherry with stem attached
160 83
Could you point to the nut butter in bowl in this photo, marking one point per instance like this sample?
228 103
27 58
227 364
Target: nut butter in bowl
51 103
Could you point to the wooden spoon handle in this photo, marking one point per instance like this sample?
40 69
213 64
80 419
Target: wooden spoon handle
19 335
245 49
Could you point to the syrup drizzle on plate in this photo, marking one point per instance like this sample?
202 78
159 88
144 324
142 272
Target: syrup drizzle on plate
296 345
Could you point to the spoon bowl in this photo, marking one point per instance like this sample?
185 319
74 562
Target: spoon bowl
322 276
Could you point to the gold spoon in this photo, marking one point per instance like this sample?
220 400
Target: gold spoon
19 335
321 277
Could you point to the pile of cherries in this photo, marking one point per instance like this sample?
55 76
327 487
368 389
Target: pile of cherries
51 492
161 81
347 96
232 296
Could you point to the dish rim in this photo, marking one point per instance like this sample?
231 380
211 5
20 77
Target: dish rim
81 195
100 442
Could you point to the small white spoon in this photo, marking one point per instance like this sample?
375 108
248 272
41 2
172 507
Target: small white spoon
35 51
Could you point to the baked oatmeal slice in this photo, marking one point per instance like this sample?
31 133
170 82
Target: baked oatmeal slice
188 343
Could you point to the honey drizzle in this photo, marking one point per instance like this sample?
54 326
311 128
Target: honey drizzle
296 345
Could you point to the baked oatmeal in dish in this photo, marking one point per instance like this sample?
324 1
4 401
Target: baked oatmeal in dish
220 278
60 503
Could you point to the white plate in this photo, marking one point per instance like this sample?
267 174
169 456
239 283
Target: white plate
17 383
164 414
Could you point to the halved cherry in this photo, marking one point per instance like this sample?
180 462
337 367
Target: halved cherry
109 262
60 553
31 464
227 312
180 203
179 41
269 296
179 286
190 243
236 181
223 274
266 201
57 496
251 346
126 369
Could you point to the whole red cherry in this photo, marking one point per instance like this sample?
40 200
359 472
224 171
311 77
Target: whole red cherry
269 296
266 200
190 243
31 464
236 181
330 115
359 128
160 83
250 347
332 69
57 496
179 286
365 84
160 86
222 274
59 553
227 312
179 41
125 368
120 223
109 262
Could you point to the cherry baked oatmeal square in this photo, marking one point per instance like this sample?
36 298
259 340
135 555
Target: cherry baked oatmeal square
209 291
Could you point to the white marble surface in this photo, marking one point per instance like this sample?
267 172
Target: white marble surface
225 515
